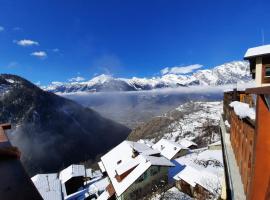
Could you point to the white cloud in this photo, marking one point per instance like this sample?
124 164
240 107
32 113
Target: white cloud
26 43
17 28
2 28
76 79
39 54
56 50
180 69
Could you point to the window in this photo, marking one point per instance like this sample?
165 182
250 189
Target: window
153 171
267 71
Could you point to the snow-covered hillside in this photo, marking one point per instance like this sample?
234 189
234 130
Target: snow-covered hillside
228 73
197 121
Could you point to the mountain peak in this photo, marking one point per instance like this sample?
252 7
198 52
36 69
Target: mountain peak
227 73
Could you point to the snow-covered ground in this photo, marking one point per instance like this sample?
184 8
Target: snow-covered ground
198 122
172 194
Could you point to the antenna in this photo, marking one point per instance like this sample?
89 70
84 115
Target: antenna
262 31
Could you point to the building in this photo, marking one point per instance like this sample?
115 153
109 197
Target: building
14 182
259 60
135 170
170 149
188 144
195 183
72 178
215 146
249 133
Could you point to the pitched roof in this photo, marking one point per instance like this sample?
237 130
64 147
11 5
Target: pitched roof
71 171
193 176
257 51
48 185
187 143
147 142
121 159
168 148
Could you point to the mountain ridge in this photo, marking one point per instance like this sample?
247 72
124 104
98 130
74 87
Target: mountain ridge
228 73
47 127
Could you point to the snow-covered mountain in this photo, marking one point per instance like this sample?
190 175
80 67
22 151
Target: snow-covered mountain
228 73
197 121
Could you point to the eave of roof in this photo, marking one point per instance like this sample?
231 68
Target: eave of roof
257 51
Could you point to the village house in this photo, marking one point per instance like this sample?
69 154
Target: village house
188 144
72 178
135 170
198 184
170 149
259 59
249 119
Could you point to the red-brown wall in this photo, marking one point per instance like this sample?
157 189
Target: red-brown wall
261 175
242 140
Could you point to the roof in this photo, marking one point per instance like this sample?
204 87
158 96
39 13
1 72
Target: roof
193 176
243 110
259 90
187 143
257 51
72 171
168 148
101 166
147 142
218 143
48 185
121 159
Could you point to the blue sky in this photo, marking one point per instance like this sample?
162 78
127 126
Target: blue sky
56 40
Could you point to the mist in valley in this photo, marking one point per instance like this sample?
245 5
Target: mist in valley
134 108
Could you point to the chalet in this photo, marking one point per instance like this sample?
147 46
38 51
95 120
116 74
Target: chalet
259 59
249 133
170 149
195 183
72 178
135 170
188 144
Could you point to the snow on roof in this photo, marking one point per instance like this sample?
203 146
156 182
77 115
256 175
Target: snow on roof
101 166
159 161
72 171
104 196
99 185
257 51
189 175
48 185
147 142
243 110
121 158
193 176
187 143
89 172
215 143
168 148
97 173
